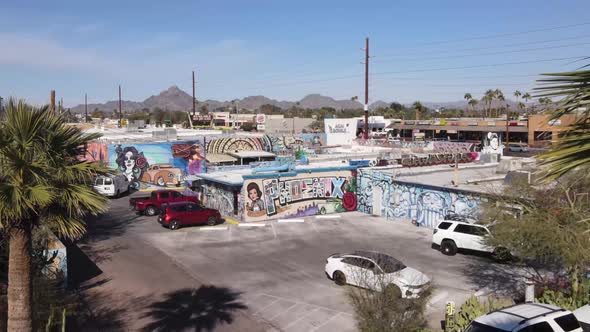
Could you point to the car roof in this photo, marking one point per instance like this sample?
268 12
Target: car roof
511 317
374 255
463 223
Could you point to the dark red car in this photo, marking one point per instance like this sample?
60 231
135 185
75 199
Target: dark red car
150 205
175 215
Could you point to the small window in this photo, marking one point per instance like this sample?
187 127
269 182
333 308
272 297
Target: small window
478 327
568 322
164 195
444 225
539 327
180 208
108 181
462 228
176 194
351 261
366 264
193 207
99 182
154 195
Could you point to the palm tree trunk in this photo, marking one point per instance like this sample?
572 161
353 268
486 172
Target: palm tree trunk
20 281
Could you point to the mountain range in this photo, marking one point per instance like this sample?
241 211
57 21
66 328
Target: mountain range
175 99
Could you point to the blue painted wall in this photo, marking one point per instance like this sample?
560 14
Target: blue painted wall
379 194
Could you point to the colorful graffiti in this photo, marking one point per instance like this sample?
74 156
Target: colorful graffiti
379 194
452 147
160 164
272 143
219 198
413 160
96 152
299 196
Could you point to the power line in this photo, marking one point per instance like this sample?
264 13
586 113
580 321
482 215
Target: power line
505 34
489 53
405 54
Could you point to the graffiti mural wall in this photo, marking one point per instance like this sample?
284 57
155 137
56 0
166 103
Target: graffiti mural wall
380 195
96 152
161 164
277 143
221 198
304 194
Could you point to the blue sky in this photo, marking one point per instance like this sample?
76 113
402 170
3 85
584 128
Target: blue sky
285 49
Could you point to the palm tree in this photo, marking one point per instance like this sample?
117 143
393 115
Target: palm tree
517 95
572 148
467 96
526 96
473 103
499 95
42 184
419 109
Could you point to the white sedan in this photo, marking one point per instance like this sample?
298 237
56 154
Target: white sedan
376 271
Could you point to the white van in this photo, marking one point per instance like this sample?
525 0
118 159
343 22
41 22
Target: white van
112 185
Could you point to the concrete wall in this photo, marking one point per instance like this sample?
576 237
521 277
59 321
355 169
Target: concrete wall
379 194
298 194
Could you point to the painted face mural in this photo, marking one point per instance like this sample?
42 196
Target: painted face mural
300 196
132 163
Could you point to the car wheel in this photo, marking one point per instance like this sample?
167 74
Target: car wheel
393 291
339 278
174 225
150 211
448 247
160 181
211 221
501 254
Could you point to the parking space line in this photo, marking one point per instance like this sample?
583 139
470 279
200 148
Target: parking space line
329 216
300 318
324 323
282 312
314 228
274 231
253 224
305 303
266 306
291 220
213 228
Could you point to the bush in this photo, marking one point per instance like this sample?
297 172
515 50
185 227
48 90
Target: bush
473 308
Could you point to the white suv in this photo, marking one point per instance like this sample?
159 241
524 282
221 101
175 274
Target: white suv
452 235
527 317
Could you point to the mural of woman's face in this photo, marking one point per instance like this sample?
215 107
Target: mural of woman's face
253 194
129 160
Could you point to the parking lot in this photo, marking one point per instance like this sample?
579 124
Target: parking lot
278 267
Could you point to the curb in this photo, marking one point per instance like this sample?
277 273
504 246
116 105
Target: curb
231 221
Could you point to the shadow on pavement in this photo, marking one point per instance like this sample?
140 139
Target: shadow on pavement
99 312
194 309
80 267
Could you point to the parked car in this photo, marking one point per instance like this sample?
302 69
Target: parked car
527 317
112 185
162 175
452 235
150 205
518 147
376 271
176 215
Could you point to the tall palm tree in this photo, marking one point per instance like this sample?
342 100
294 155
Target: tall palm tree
487 99
499 95
572 148
526 96
517 95
473 103
42 183
419 109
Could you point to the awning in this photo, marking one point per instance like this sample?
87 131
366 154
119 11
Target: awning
219 158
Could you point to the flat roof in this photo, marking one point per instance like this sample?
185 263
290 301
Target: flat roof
251 154
219 158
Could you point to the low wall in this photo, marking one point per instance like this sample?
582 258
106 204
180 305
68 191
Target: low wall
220 197
298 194
379 194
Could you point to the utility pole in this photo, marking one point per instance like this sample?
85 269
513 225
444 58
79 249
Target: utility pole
366 88
120 111
61 105
194 100
85 107
2 116
52 101
507 134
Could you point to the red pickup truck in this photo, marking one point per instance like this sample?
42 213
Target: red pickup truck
151 205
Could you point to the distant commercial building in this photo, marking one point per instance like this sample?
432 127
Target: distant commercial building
537 130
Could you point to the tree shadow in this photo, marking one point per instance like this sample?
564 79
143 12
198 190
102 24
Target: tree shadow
108 225
508 279
195 309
